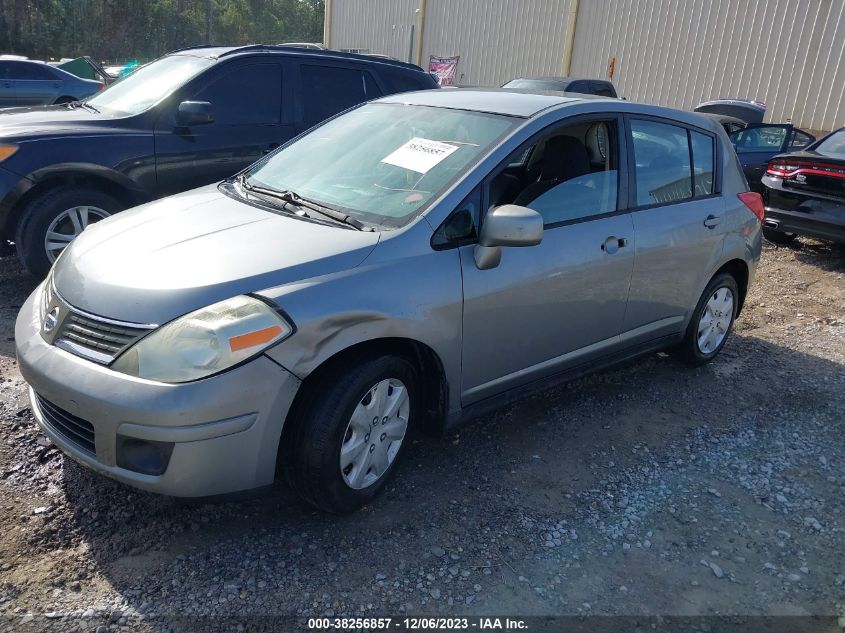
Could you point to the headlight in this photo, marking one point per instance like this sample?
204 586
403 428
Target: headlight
6 151
205 342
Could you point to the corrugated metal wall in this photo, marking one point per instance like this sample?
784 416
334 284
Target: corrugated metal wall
496 39
786 53
381 26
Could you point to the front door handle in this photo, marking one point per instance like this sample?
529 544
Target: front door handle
613 244
712 221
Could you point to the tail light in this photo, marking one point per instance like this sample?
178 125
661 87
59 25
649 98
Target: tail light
753 201
780 169
783 169
102 86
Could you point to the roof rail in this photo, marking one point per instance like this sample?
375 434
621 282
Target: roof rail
299 50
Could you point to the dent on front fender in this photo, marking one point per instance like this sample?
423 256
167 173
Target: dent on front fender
417 297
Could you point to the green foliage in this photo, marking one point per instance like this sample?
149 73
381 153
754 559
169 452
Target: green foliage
117 30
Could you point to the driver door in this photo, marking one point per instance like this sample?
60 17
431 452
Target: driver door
554 306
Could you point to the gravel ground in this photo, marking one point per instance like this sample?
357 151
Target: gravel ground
648 490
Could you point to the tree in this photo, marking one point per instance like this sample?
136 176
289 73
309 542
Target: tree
118 30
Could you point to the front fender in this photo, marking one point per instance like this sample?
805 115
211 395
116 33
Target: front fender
417 297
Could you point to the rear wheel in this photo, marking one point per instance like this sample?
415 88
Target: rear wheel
778 237
346 442
711 321
54 218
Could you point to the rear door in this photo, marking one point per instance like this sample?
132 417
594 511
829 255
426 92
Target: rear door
679 223
36 84
8 98
326 89
252 116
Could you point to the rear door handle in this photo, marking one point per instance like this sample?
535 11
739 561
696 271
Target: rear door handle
613 244
712 221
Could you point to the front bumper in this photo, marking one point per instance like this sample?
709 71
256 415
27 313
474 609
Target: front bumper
225 429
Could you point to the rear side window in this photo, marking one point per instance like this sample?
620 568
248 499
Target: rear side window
23 70
246 95
702 163
602 89
327 90
408 81
662 162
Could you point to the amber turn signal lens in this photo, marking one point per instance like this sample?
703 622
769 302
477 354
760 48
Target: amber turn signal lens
6 151
251 339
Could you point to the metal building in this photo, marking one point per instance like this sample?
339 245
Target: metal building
787 53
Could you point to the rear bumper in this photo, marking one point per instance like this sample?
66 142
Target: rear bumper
803 212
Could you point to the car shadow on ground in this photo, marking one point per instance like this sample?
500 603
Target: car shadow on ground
475 495
826 255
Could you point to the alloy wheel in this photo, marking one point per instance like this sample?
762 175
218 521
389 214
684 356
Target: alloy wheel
67 226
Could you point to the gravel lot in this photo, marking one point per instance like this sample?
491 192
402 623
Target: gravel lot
651 489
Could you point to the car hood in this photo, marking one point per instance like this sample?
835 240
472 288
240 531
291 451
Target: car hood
36 121
164 259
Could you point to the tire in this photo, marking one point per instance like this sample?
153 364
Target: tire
311 450
40 213
778 237
690 349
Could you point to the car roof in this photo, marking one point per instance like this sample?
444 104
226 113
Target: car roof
528 103
559 79
218 52
508 101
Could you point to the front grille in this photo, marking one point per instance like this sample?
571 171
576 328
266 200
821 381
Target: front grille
99 336
75 430
96 338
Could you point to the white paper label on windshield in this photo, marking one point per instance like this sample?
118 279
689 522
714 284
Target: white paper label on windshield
419 154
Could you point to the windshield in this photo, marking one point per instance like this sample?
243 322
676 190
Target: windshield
149 84
382 163
833 146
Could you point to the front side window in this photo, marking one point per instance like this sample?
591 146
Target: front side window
767 138
661 162
149 84
327 90
231 105
382 163
833 146
569 175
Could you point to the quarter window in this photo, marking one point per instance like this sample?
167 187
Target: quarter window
246 95
662 162
327 90
702 161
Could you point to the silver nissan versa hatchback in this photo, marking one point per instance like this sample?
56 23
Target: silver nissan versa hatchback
405 265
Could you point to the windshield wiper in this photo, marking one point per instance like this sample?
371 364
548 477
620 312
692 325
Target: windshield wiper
87 106
291 197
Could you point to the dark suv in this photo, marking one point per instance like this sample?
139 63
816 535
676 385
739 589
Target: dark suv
188 119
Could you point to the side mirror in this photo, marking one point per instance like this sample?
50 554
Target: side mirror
507 225
194 113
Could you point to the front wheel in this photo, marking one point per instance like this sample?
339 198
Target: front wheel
711 321
54 218
345 444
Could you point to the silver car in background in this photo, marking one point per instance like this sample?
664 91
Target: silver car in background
406 265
